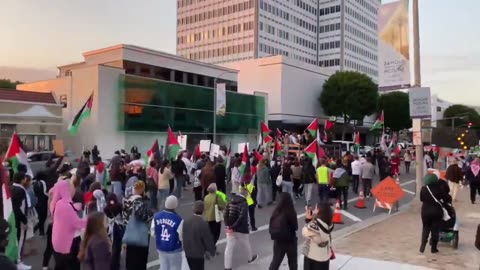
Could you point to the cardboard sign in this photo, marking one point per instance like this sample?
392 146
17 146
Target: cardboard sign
388 191
214 150
182 140
241 147
205 145
58 147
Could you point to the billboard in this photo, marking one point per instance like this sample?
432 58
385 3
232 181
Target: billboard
394 45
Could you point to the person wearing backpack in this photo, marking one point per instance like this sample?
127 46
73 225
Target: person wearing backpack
283 228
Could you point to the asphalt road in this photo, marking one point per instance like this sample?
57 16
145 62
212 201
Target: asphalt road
260 240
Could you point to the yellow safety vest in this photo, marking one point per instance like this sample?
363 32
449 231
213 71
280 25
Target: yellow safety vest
250 188
322 175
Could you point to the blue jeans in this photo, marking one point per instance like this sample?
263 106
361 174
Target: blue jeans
288 188
323 191
162 195
170 261
117 189
153 199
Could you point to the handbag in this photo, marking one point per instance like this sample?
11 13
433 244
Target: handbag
218 212
279 179
446 216
136 232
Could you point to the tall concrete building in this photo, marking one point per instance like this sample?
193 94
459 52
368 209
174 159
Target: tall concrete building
337 34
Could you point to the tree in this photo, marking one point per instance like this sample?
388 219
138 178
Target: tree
396 109
349 94
464 113
7 83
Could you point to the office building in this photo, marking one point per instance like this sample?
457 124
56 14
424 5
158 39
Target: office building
337 34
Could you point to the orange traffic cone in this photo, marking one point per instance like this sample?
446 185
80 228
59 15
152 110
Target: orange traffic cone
337 215
361 201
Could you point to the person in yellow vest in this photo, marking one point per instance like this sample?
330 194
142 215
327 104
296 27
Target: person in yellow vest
250 187
323 180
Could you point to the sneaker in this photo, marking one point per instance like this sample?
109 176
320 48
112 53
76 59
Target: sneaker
254 258
254 229
22 266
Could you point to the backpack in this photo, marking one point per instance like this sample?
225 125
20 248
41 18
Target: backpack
38 188
278 229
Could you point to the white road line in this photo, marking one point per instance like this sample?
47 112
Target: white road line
408 191
350 216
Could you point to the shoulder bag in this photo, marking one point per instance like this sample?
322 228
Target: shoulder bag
446 216
218 212
279 179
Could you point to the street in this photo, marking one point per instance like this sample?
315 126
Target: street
260 240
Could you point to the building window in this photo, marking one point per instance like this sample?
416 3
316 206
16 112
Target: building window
439 109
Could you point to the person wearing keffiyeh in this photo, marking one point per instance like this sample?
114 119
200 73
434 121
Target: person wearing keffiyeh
473 178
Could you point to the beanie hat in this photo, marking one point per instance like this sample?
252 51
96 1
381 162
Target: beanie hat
430 179
171 202
198 207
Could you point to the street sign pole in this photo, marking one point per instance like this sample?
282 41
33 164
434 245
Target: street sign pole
418 83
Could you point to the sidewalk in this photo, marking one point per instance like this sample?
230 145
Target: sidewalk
397 239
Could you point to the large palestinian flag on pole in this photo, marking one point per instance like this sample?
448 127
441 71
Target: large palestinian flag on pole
277 150
11 250
379 123
245 166
82 114
172 145
16 155
154 153
313 128
312 151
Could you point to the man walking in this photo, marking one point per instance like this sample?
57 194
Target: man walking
20 205
236 227
367 173
356 168
323 177
197 238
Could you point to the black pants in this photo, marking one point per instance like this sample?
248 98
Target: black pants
473 192
367 186
274 190
279 250
323 191
215 228
118 232
42 211
251 214
342 191
309 264
296 187
68 261
355 183
136 258
197 191
196 263
47 254
431 226
407 166
172 184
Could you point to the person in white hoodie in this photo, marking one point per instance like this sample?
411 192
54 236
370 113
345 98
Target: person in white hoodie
356 170
317 249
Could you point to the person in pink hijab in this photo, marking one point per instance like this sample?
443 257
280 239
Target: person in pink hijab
66 224
473 178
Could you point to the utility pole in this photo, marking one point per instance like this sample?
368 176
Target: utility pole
418 83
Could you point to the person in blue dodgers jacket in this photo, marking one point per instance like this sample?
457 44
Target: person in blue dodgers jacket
167 228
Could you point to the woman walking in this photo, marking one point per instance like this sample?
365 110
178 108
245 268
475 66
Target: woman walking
287 184
342 182
264 194
207 177
283 228
308 176
116 228
454 176
407 159
297 179
432 196
210 201
317 248
152 184
473 178
236 176
164 176
96 249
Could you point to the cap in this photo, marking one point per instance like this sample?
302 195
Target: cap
171 202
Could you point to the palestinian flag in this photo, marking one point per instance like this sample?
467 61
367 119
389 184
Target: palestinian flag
245 166
16 155
258 156
11 250
279 134
313 128
154 152
321 153
196 154
383 144
265 130
379 123
267 139
329 124
277 151
82 114
312 151
356 146
172 145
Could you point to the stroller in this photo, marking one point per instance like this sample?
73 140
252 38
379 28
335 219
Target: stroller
449 230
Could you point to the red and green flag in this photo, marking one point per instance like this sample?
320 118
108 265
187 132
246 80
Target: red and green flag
279 134
329 124
16 155
313 128
154 152
11 250
356 146
379 123
258 156
84 112
277 151
311 151
172 145
245 166
265 130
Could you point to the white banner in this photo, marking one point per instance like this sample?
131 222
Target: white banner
394 45
241 147
221 101
214 150
204 145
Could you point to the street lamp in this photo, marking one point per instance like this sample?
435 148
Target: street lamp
215 103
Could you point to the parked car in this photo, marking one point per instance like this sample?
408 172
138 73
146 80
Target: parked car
38 160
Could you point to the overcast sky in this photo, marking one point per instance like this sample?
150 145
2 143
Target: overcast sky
39 35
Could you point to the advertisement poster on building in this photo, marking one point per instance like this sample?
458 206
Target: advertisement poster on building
221 102
394 45
420 102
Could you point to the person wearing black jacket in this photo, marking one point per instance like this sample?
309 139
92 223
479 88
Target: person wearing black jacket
220 175
432 195
41 192
236 227
274 172
308 176
179 170
473 177
283 231
50 174
20 207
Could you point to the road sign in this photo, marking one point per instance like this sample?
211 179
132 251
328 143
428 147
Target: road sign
420 102
388 191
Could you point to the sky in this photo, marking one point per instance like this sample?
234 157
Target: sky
39 35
